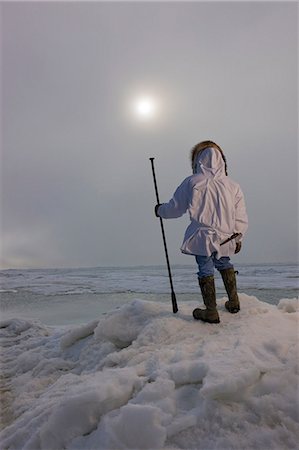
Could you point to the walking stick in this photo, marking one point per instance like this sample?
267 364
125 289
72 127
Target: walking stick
173 297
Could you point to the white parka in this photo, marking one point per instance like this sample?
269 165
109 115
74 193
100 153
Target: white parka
216 207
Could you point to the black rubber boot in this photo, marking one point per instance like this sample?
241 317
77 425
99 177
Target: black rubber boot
230 284
210 314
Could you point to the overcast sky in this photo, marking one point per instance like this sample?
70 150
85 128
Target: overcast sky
76 178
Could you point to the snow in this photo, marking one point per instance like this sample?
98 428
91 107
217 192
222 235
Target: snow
142 377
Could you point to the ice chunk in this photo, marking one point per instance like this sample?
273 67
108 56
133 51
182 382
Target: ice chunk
137 427
16 326
78 333
289 305
123 326
187 372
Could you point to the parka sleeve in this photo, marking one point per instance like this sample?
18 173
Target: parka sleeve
179 203
241 220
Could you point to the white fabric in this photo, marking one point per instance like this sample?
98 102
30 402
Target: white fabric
216 207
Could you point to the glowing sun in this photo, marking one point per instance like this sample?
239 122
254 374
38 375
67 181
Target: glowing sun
145 108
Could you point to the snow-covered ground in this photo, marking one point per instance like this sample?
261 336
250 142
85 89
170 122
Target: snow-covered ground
141 377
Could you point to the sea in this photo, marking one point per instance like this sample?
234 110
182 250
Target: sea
78 295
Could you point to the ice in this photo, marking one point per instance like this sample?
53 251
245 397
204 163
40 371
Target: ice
15 326
78 333
142 377
147 279
289 305
137 427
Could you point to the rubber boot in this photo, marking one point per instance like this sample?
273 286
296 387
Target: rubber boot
230 284
210 314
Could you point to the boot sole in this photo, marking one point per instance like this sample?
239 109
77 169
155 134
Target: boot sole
210 321
233 310
202 319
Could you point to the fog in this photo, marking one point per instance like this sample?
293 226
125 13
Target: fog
77 187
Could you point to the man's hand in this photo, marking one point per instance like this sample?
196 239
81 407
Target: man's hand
156 210
238 247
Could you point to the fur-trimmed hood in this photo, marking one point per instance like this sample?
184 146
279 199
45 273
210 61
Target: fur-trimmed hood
209 162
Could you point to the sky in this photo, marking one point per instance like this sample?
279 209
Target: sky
77 188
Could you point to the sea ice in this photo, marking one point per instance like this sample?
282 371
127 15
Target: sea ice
141 377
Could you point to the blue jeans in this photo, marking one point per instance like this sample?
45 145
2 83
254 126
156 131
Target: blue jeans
206 264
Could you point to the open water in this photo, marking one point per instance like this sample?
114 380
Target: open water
67 296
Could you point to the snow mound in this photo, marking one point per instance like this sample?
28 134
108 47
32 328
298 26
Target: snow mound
144 378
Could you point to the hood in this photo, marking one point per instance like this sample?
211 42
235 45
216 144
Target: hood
209 162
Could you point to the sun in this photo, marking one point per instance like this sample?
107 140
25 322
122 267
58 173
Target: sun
145 108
